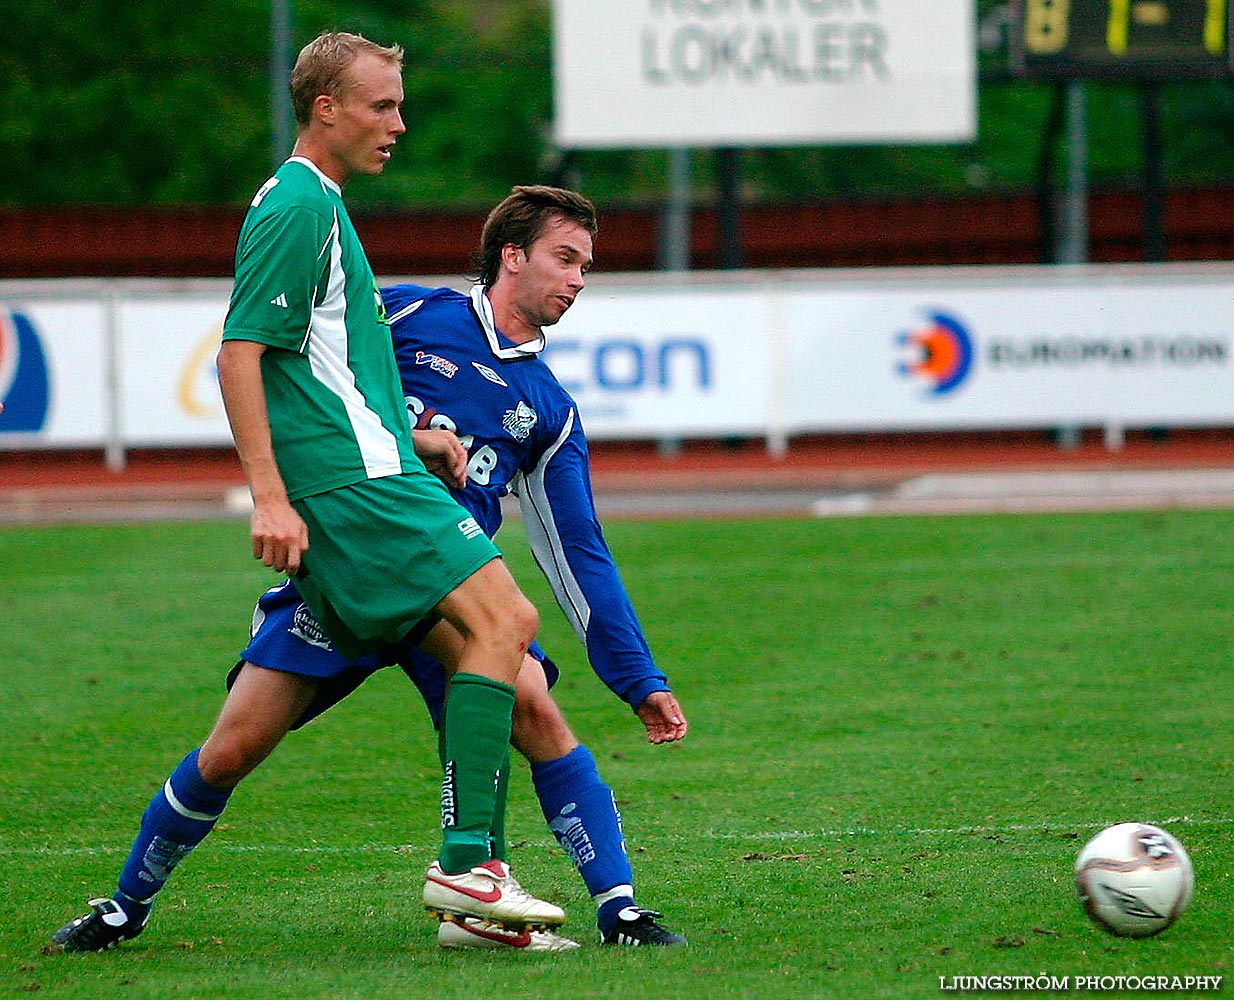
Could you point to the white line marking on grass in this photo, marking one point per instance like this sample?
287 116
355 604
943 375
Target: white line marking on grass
218 847
822 833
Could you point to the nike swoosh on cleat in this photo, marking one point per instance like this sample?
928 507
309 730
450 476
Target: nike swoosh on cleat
488 896
520 940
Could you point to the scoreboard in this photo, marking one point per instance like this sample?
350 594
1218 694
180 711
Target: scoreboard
1120 39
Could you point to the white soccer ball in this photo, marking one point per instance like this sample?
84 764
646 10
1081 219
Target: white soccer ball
1134 879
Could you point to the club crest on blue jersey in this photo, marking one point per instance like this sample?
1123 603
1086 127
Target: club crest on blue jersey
519 421
305 626
437 363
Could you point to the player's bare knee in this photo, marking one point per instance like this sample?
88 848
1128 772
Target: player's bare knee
226 758
512 625
518 615
538 715
224 764
540 736
526 620
540 731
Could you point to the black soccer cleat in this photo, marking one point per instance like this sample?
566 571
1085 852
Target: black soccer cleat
636 927
104 927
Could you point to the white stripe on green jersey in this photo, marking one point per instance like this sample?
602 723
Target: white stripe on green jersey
305 289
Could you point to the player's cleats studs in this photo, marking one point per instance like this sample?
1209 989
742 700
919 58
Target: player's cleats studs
636 927
104 927
491 893
471 932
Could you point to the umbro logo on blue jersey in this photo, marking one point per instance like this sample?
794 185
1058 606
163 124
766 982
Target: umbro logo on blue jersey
437 363
489 374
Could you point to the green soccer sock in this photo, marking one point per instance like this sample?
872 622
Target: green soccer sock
497 839
498 846
476 741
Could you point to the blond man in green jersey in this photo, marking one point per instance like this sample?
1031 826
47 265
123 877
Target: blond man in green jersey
378 547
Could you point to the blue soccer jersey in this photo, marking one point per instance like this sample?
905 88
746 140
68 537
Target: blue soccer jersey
523 435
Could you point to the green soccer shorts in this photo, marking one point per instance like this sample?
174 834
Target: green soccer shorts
382 554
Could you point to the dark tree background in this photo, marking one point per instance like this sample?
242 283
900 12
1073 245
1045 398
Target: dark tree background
111 102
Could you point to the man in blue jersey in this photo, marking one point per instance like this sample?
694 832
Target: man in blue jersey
492 418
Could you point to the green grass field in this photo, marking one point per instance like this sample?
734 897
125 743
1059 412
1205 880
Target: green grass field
903 730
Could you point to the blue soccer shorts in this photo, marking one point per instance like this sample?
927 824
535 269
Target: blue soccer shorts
285 636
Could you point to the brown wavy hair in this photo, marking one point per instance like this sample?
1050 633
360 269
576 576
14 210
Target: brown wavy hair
520 220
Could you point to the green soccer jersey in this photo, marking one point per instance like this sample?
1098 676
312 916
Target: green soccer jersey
305 289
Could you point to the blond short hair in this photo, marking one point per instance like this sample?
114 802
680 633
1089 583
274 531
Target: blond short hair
322 68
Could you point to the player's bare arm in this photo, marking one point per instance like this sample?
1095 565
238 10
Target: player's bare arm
278 533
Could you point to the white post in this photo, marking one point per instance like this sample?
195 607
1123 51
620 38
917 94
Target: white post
113 448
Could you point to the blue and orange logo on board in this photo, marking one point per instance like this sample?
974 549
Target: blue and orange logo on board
939 353
25 383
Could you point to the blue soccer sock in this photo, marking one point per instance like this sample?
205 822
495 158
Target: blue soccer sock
610 904
179 816
583 816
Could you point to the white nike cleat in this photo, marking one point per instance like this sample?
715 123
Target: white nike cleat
472 932
491 893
